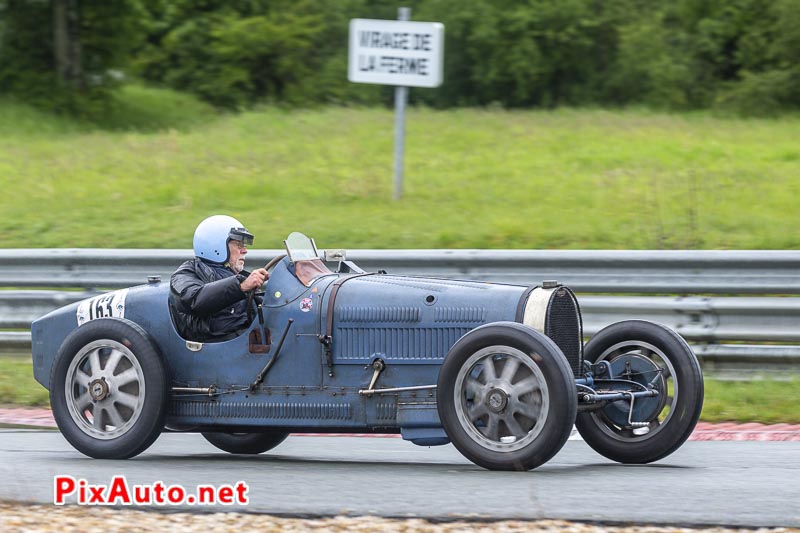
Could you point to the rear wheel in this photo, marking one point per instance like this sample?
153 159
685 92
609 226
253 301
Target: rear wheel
108 389
246 443
506 397
645 353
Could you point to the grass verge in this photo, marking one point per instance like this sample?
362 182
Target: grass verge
475 178
17 386
765 401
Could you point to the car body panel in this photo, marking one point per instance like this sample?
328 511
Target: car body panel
409 323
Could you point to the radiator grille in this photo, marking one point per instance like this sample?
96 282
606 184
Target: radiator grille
563 326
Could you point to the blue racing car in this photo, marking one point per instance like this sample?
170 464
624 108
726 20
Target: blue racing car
499 370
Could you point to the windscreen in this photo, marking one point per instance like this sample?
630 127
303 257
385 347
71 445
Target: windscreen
299 247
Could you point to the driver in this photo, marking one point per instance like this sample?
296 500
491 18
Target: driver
208 294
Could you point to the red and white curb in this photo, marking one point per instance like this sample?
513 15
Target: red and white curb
26 416
752 432
729 431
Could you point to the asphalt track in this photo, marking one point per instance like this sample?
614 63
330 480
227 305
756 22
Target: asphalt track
748 484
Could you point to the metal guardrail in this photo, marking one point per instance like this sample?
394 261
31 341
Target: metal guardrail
15 341
747 361
607 271
19 308
698 319
701 319
709 322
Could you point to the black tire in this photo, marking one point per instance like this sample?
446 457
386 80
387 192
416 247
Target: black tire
109 389
246 443
671 417
506 397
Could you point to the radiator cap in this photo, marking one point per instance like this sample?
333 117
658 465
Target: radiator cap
550 284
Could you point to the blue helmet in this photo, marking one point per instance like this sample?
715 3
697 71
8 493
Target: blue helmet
213 234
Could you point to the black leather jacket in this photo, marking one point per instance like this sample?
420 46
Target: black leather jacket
206 301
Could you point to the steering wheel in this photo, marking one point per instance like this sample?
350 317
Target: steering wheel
252 292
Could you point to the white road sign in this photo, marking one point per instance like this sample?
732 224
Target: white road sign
393 52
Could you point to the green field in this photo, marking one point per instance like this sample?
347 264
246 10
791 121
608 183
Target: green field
751 401
475 178
17 386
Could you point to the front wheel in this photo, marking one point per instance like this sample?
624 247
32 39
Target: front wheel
506 397
649 354
108 389
246 443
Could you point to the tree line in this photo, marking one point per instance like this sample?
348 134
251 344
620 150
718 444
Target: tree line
682 54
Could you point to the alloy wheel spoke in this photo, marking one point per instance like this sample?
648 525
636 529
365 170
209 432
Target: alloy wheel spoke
477 412
531 410
94 362
126 377
474 389
493 428
82 378
509 369
98 418
128 400
514 427
112 362
489 370
115 416
83 401
529 384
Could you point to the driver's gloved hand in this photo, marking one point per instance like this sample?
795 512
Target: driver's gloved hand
255 280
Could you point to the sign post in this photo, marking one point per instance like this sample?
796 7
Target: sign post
401 53
400 100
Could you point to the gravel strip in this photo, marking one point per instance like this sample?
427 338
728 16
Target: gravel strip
48 518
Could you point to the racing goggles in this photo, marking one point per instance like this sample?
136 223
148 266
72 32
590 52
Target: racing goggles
241 236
